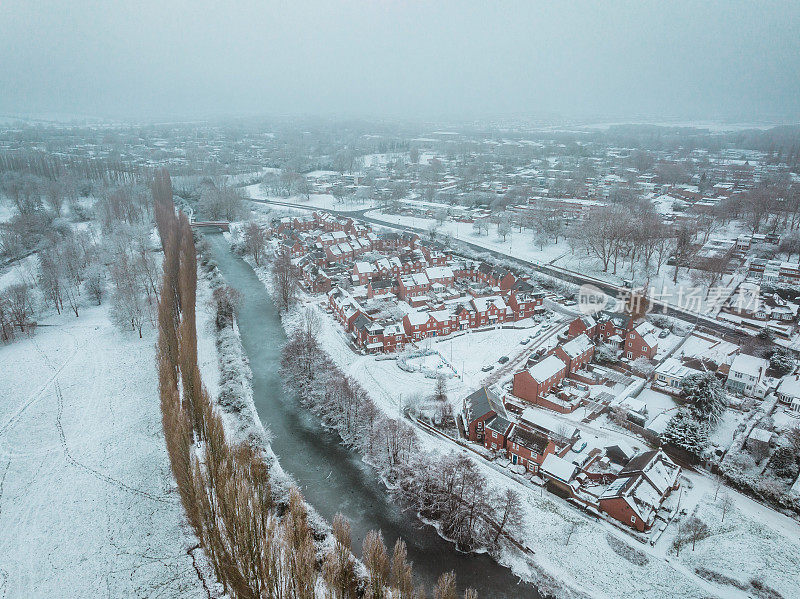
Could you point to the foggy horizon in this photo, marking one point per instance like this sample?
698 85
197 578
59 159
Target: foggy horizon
639 61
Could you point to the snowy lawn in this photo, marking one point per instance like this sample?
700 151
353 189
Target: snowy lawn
88 506
752 543
315 200
657 402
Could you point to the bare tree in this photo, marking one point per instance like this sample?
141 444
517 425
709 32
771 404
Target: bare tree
54 196
509 517
504 228
95 284
481 226
727 504
445 587
440 390
376 559
255 241
51 277
19 305
284 278
221 203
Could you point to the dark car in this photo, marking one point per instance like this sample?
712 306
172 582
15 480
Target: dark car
503 360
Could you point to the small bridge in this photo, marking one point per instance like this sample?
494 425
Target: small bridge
221 225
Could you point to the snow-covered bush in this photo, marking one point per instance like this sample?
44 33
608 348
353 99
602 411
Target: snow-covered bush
782 362
684 432
705 396
603 354
642 366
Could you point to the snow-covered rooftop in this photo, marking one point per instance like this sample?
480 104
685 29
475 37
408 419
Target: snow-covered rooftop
575 347
547 368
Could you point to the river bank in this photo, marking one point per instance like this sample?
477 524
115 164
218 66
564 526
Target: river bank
333 478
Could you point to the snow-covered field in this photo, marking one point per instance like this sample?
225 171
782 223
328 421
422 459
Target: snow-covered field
87 505
315 200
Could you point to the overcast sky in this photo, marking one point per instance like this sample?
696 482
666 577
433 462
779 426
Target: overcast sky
657 60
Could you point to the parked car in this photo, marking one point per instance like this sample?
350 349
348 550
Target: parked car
487 368
664 333
503 359
525 341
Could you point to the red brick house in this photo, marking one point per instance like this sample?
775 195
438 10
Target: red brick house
412 285
440 274
389 266
294 248
537 381
315 279
464 269
394 338
576 353
528 448
523 300
505 279
412 262
396 241
419 325
496 433
582 324
363 272
379 287
344 307
641 341
640 489
489 310
478 407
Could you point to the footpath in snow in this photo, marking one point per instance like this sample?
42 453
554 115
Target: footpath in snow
87 505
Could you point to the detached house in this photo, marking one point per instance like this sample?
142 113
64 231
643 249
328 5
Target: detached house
789 391
746 376
641 341
640 489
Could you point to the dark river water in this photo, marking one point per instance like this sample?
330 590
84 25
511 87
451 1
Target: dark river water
332 478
